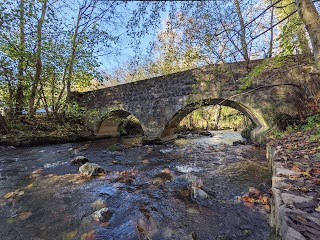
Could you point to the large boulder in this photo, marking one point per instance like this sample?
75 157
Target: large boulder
91 169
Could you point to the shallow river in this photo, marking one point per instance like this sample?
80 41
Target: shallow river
42 196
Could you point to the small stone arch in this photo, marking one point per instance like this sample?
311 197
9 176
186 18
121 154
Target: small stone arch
257 119
110 124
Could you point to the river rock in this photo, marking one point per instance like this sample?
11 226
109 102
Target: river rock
91 169
198 194
239 142
79 160
98 204
117 147
189 185
165 175
102 215
191 179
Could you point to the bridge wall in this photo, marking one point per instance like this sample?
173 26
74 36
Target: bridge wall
160 103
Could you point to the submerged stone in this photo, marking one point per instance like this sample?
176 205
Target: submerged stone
98 204
198 194
102 215
79 160
91 169
189 185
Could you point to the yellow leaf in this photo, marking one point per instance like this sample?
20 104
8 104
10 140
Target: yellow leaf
30 186
69 235
9 195
303 189
307 174
318 209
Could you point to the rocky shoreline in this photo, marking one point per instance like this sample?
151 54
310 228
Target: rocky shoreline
295 163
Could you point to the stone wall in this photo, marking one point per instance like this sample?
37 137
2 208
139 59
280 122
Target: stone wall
292 215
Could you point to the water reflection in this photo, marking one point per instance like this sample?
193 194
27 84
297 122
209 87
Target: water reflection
219 137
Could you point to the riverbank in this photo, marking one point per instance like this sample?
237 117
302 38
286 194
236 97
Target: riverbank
295 160
41 130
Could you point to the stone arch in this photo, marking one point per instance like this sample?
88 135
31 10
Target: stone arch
109 125
257 119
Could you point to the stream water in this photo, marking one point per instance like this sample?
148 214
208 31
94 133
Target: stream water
42 196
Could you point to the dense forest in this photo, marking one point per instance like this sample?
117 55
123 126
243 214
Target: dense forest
49 48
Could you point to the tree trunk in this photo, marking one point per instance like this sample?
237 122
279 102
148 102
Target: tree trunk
271 32
72 57
38 60
217 115
311 19
3 124
19 99
244 46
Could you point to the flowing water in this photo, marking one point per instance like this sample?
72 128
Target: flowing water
42 196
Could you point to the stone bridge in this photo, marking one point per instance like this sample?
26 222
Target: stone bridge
160 103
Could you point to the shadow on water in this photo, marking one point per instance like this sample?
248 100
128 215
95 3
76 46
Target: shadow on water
145 189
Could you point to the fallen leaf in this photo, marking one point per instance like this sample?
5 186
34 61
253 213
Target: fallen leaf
314 170
316 181
13 194
29 186
247 204
89 235
9 195
23 216
248 199
318 209
303 189
295 168
69 235
264 200
306 173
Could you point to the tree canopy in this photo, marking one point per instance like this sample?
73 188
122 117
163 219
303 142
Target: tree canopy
49 48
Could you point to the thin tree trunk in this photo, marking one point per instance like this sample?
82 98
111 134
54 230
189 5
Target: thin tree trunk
217 115
38 60
53 87
244 46
19 99
72 57
3 124
311 19
271 31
